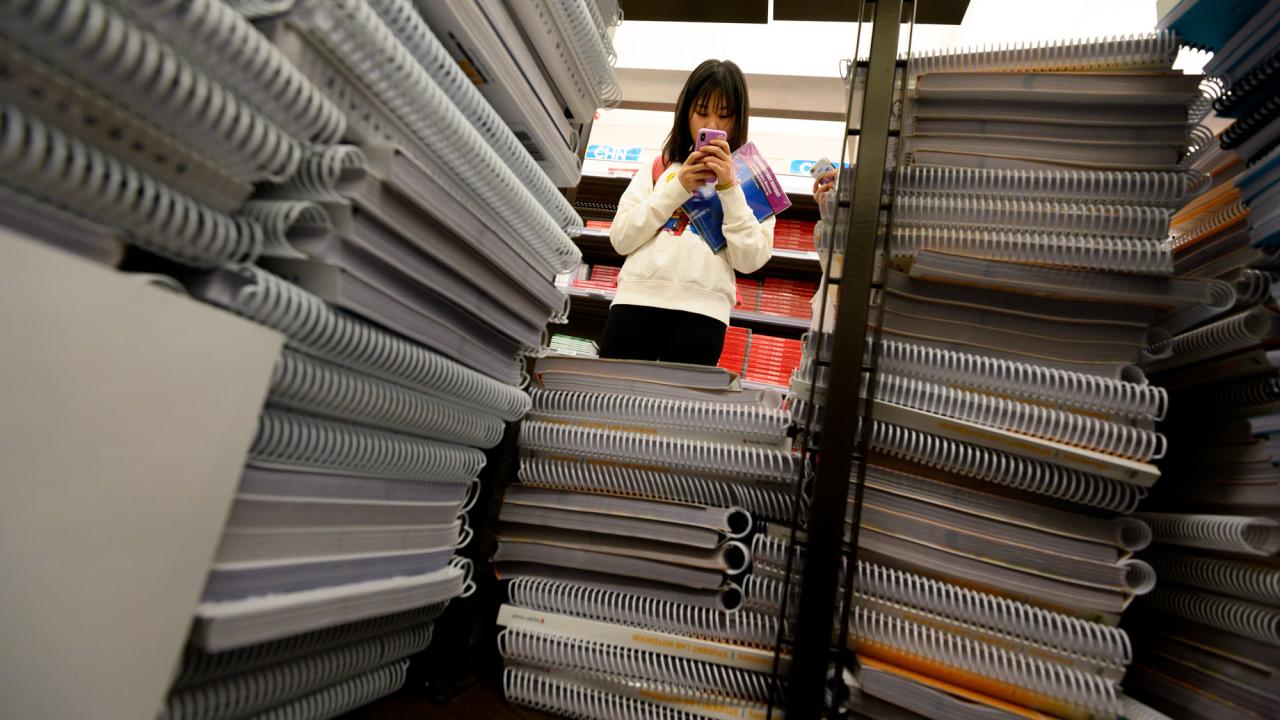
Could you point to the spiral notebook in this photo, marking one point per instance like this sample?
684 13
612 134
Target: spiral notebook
251 692
583 77
728 422
373 291
222 626
584 658
761 501
315 328
59 228
1154 51
411 30
338 699
728 597
344 45
671 454
626 618
239 137
156 216
485 42
682 523
440 245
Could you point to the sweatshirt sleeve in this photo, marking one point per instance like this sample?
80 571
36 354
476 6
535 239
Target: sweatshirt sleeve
642 211
749 241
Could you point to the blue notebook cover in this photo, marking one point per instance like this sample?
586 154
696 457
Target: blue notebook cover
764 196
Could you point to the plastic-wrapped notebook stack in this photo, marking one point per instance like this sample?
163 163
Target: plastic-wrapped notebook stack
1013 427
1207 640
627 538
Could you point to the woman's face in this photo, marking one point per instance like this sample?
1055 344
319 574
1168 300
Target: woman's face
711 113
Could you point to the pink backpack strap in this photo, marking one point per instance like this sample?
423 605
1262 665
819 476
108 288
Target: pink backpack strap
660 166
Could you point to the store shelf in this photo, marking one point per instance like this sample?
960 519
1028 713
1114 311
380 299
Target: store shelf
597 302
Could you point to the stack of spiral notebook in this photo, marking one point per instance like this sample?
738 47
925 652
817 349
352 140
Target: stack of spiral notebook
1013 428
627 539
419 258
1206 641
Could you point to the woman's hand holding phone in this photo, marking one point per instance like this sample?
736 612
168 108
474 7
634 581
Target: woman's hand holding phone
694 173
717 158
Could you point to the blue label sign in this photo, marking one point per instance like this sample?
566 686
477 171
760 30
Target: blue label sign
617 153
802 167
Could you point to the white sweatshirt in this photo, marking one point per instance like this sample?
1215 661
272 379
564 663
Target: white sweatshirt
679 271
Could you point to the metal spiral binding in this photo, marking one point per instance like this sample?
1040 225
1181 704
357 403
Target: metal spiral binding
1259 622
282 220
1131 709
1246 126
1232 533
640 611
1211 89
1026 418
224 44
301 440
999 212
467 568
319 330
1059 682
555 695
304 383
1098 187
1035 382
1154 50
1253 287
592 49
1077 252
40 160
772 551
691 455
258 9
336 700
240 695
199 667
1237 578
747 420
617 661
1005 469
1222 337
358 39
1064 634
407 24
324 175
1187 232
1201 145
1222 297
1256 391
100 48
762 501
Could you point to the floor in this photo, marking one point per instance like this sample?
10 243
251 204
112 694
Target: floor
480 702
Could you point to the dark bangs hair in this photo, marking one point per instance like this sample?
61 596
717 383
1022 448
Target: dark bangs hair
711 79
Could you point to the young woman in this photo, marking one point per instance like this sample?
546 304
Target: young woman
674 293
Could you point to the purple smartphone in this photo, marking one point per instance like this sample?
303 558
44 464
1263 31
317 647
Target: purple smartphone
706 135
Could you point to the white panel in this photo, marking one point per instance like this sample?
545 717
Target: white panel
127 412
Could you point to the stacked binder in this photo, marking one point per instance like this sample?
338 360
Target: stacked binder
1206 641
627 539
406 233
1012 426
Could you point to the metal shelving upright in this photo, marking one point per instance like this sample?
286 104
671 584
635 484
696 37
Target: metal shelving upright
836 456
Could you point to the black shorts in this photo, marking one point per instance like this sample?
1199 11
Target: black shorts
639 332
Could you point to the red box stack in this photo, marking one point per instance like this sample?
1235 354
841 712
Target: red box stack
794 235
734 356
773 359
748 295
605 273
597 277
791 298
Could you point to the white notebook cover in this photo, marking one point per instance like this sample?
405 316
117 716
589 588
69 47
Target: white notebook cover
127 414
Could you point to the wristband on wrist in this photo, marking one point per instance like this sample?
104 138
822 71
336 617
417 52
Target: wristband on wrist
725 186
